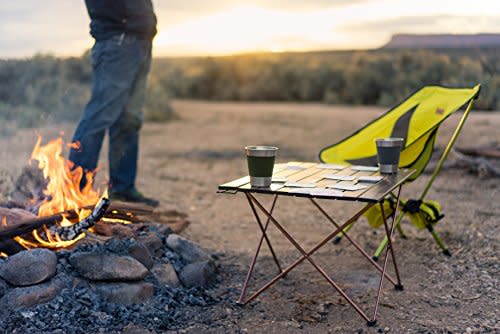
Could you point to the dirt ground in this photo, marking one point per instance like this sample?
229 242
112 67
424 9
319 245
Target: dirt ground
183 161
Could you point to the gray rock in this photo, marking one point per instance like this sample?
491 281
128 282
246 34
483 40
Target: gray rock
125 293
141 253
33 295
135 329
108 267
188 250
165 274
29 187
152 241
29 267
199 274
163 229
3 287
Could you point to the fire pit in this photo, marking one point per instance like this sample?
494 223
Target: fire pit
72 251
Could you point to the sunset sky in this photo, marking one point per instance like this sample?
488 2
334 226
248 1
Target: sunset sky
219 27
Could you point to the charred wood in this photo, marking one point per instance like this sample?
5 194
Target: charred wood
122 209
71 232
32 224
10 247
29 188
10 217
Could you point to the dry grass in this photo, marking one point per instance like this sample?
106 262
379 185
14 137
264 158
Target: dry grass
183 161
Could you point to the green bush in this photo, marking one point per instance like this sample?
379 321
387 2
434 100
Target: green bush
45 89
157 107
382 77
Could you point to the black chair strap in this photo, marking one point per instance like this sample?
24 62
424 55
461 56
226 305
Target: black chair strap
412 206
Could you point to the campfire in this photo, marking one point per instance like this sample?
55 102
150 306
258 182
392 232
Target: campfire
62 243
65 213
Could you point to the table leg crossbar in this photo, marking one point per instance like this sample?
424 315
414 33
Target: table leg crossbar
259 245
254 204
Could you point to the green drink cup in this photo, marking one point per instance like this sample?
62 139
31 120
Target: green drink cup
260 161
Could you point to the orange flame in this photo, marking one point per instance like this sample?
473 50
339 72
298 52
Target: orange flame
64 180
116 220
63 192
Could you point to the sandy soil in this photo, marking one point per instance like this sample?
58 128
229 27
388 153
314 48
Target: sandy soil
183 161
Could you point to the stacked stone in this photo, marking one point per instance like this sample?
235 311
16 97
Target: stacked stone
128 271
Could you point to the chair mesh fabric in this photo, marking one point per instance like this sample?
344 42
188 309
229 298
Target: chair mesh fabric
416 120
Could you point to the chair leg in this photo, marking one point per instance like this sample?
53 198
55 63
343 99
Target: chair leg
380 249
439 241
401 232
338 238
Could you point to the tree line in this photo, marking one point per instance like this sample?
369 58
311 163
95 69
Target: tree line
45 88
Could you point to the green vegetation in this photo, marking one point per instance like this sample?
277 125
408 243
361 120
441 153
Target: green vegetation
381 77
49 89
43 88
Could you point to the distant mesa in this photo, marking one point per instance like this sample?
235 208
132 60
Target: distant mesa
434 41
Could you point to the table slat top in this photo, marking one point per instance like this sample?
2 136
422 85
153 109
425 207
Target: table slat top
316 180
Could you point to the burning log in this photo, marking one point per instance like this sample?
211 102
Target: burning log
14 217
71 232
51 183
119 219
32 224
115 209
9 247
54 237
134 208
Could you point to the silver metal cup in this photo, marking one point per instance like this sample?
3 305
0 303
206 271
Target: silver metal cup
388 152
260 161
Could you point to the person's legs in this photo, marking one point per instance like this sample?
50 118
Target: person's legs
124 133
124 138
114 69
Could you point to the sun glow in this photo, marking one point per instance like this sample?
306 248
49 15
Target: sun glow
244 29
353 25
209 27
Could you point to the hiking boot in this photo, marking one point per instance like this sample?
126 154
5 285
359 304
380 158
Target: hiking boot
133 196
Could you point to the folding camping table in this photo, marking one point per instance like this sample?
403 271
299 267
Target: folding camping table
312 181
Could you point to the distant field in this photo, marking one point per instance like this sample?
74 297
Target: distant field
45 89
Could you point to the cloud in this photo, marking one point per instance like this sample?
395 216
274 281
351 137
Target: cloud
248 28
61 26
207 7
48 26
374 33
172 13
427 24
299 5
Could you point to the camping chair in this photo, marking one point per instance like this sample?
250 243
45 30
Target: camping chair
416 120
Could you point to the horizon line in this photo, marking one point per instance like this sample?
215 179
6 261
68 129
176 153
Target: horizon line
284 51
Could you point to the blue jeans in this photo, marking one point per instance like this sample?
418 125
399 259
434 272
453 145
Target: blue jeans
120 68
